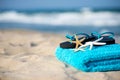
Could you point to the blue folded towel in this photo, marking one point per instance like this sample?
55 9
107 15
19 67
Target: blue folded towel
99 59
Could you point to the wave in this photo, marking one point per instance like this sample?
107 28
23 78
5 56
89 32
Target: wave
84 18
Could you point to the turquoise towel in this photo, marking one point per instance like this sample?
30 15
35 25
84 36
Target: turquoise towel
99 59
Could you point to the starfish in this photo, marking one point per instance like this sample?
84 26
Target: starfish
78 42
91 43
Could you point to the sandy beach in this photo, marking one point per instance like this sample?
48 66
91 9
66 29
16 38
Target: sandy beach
29 55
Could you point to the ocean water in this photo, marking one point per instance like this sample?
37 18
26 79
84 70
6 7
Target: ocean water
81 20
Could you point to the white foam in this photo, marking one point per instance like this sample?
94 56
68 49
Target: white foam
84 18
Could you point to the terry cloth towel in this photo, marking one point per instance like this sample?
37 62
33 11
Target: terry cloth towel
99 59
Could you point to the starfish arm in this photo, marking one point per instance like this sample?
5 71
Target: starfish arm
91 46
81 40
76 46
98 39
99 43
79 49
80 43
76 37
83 46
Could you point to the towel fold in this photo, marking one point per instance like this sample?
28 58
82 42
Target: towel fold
99 59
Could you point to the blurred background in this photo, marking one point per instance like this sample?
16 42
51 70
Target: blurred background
68 16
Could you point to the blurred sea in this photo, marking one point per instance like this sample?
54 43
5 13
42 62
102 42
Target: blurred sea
73 21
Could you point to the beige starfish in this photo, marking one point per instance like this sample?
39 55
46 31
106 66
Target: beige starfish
78 42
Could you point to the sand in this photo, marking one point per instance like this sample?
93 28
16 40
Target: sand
29 55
